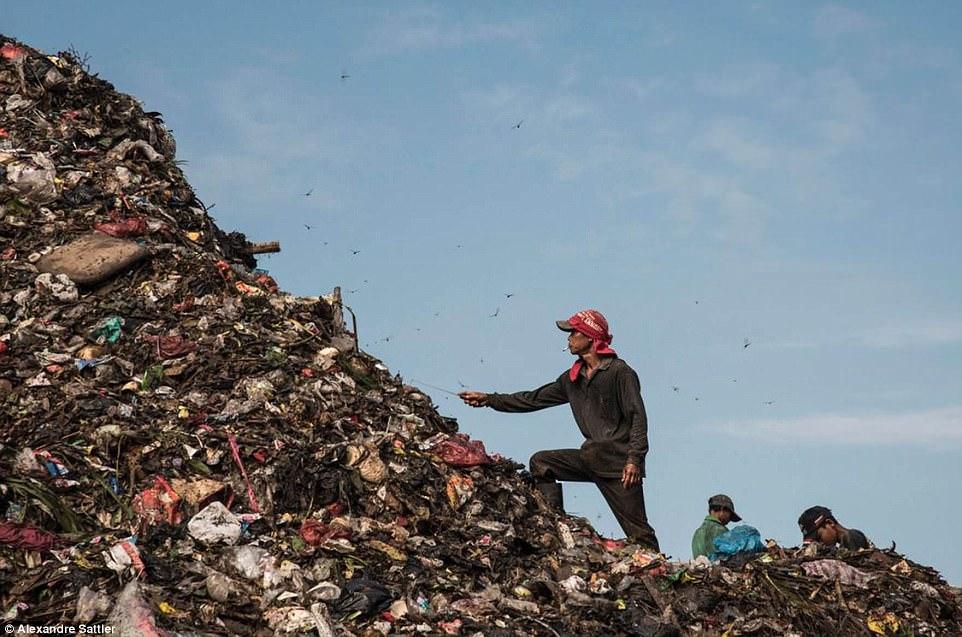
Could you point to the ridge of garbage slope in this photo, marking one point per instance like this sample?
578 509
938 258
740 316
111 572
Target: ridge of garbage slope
187 449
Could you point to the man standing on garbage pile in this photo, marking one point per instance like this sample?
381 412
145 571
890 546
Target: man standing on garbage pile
605 398
721 511
818 524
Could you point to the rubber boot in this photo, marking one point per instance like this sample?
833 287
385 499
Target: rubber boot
553 495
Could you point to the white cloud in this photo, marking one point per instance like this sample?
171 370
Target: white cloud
834 21
426 28
917 335
921 334
549 111
732 140
829 104
739 81
715 177
646 88
844 107
277 138
568 132
563 109
935 428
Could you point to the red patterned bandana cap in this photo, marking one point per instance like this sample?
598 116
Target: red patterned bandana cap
592 324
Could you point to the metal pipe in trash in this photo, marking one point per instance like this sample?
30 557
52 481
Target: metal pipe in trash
263 248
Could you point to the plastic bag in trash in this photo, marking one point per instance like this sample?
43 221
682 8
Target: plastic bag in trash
108 330
219 586
215 523
836 569
131 616
741 539
363 596
255 563
91 604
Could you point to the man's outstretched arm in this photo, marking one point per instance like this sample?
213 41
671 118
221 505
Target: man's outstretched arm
545 396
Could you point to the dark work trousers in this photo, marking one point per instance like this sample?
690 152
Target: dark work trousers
628 505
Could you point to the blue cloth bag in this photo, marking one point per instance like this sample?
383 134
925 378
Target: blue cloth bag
741 539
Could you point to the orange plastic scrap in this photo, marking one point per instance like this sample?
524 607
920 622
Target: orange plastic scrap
248 290
650 563
459 490
134 554
158 504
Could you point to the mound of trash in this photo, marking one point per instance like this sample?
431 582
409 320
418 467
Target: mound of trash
187 449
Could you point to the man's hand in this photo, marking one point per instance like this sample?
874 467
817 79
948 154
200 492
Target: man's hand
474 398
630 475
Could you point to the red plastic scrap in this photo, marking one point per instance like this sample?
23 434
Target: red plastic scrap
185 305
317 533
267 282
123 228
223 267
10 253
136 562
11 51
460 451
609 544
235 451
160 503
24 536
3 347
4 133
170 346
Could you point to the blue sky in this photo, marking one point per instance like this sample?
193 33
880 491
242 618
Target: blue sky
782 172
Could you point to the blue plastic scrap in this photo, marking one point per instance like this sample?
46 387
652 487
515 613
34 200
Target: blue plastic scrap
741 539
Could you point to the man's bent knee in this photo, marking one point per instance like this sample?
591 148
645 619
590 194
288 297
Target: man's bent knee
539 466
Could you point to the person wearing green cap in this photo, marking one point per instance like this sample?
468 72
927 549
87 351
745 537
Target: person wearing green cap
721 511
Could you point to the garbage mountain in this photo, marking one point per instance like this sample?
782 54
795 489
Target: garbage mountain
186 449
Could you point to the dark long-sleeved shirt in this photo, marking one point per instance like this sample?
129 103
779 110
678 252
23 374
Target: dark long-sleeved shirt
607 407
854 540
